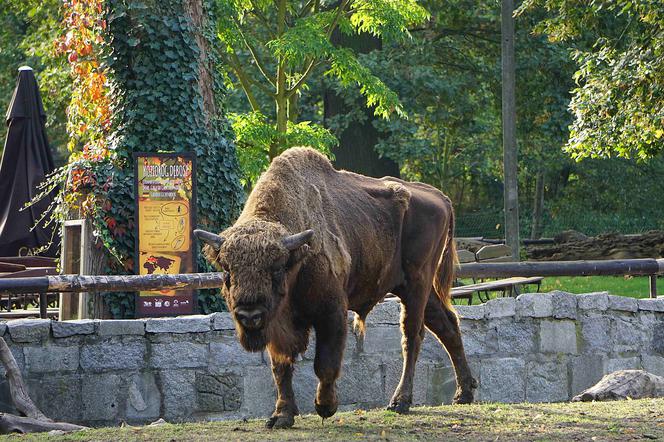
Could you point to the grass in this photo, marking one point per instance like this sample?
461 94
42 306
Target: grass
604 421
632 286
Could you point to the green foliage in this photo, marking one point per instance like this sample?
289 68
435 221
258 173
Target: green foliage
152 55
28 29
273 49
618 106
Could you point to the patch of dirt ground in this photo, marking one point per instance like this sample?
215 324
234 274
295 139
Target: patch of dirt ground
599 421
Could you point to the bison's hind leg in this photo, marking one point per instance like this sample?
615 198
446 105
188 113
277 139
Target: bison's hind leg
444 324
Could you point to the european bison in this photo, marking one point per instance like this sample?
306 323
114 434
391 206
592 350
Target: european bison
312 243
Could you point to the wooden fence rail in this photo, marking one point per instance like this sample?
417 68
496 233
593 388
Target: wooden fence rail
129 283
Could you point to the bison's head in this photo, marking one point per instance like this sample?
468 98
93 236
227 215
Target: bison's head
261 261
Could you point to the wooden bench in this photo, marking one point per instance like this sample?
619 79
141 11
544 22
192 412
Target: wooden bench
491 253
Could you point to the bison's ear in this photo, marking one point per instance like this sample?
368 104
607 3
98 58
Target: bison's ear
214 241
296 241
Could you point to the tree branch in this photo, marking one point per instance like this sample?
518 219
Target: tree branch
303 78
253 53
245 82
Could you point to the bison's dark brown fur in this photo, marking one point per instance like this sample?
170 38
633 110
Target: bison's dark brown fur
370 237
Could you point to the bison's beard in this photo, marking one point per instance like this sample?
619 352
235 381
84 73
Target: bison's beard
252 340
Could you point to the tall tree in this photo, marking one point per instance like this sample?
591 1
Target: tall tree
618 106
272 50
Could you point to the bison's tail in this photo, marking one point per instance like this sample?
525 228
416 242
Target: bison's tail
445 273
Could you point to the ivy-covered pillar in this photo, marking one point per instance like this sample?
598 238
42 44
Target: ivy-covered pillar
163 94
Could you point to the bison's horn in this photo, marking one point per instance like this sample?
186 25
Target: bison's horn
294 241
209 238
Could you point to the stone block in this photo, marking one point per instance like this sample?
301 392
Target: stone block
535 305
385 313
102 398
433 350
500 308
546 381
179 355
181 324
29 330
653 364
3 327
657 341
564 305
503 380
51 358
615 364
470 312
598 301
652 304
304 386
383 339
222 321
178 389
627 334
517 338
259 391
143 397
558 336
58 395
113 356
479 338
121 327
393 371
623 303
442 385
361 383
595 332
586 371
230 352
64 329
219 392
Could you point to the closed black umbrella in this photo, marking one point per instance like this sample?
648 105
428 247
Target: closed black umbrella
26 160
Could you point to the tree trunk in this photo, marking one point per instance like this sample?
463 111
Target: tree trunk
538 206
356 144
35 420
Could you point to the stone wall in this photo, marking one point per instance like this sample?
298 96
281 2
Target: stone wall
537 347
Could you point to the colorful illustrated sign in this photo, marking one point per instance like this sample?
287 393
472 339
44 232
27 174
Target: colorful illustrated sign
165 199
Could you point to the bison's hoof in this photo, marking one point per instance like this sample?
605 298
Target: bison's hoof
401 407
280 421
463 397
325 410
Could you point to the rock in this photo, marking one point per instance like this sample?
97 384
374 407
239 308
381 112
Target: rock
623 384
558 336
503 380
652 304
181 324
29 330
535 305
222 321
51 358
500 308
546 381
179 355
593 301
64 329
517 339
623 303
385 313
121 327
113 355
158 422
470 312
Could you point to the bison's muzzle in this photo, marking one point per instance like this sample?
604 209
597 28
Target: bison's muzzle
251 319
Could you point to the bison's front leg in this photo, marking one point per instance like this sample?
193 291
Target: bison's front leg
285 409
330 342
